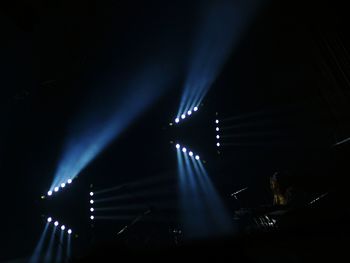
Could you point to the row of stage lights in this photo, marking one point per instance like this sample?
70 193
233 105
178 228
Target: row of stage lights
56 189
190 153
92 217
217 129
183 116
63 227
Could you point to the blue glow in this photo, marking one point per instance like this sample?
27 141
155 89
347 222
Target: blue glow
59 252
49 250
219 28
101 123
39 247
177 146
69 247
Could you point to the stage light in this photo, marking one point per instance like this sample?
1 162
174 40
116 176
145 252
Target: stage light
189 112
190 153
184 149
217 129
49 219
56 223
91 201
218 144
49 193
195 108
217 137
183 116
177 146
91 193
177 120
92 217
63 227
69 181
63 185
197 157
217 121
56 189
69 231
91 209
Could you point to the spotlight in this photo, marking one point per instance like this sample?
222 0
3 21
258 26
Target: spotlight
177 120
217 129
63 185
91 201
56 189
184 149
189 112
218 144
56 223
49 219
92 217
190 153
91 193
183 116
217 137
69 181
195 108
69 231
49 193
177 146
91 209
63 227
197 157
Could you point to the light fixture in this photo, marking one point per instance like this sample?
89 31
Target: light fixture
189 112
91 193
69 231
197 157
195 108
49 219
92 209
218 144
217 136
63 227
217 121
190 153
183 116
69 181
184 149
49 193
217 129
91 201
56 223
63 185
92 217
177 146
177 120
56 189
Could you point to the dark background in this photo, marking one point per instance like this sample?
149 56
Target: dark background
289 66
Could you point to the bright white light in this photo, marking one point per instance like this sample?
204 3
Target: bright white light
217 121
190 153
49 193
92 217
69 181
91 201
63 185
195 108
91 193
197 157
91 209
183 116
217 137
177 120
217 129
69 231
218 144
63 227
189 112
184 149
49 219
56 223
56 189
177 146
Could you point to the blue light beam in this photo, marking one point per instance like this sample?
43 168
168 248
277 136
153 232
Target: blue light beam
98 130
35 258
